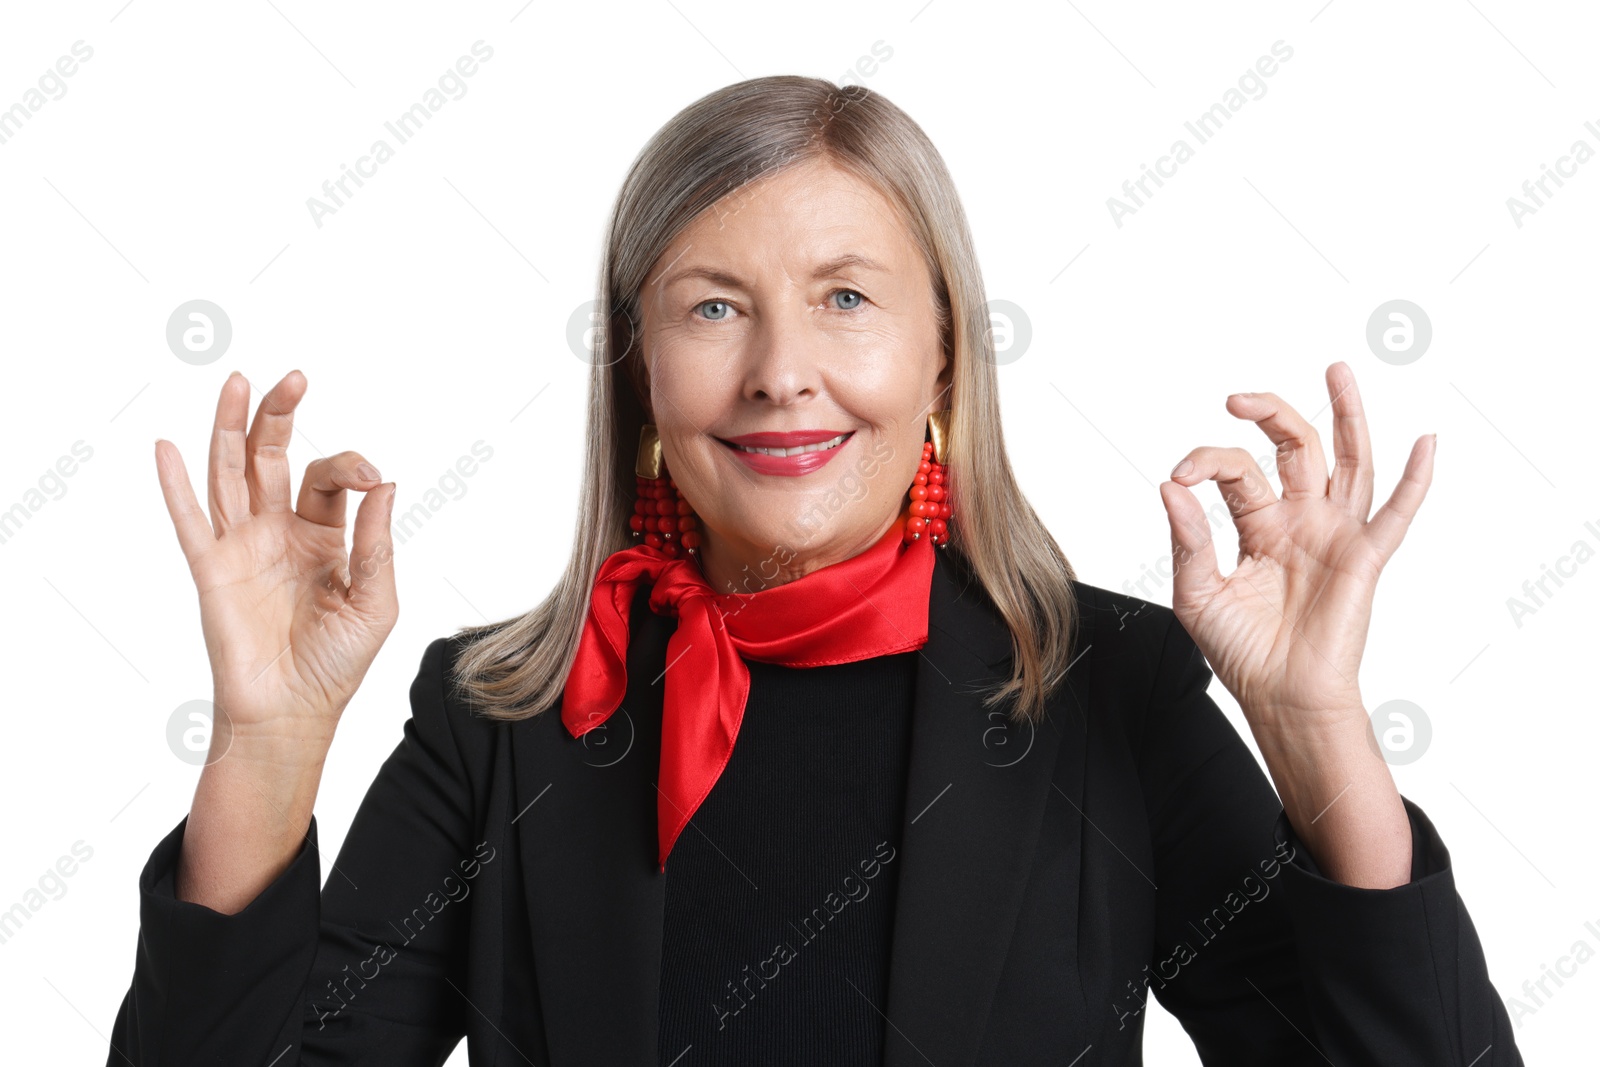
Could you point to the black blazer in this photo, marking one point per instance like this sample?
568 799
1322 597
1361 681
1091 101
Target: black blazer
499 882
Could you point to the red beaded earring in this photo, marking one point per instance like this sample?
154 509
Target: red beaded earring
930 510
660 515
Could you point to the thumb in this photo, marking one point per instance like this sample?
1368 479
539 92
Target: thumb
372 589
1195 578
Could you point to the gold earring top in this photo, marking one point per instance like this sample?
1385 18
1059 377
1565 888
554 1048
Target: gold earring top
939 434
648 464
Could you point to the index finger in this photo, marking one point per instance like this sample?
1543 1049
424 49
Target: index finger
1301 467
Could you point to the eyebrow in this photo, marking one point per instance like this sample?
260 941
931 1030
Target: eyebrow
823 270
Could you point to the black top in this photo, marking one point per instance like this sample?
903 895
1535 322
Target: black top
780 891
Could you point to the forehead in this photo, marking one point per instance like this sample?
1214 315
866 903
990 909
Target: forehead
796 218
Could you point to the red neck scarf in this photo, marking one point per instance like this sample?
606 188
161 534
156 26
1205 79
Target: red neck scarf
872 604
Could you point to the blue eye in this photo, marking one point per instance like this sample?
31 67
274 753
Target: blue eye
849 293
714 303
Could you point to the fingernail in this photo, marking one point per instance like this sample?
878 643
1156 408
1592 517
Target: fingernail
367 471
392 494
1183 468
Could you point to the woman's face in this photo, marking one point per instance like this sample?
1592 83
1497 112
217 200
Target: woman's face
796 313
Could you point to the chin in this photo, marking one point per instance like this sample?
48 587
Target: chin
777 535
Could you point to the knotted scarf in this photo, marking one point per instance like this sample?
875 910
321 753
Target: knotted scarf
872 604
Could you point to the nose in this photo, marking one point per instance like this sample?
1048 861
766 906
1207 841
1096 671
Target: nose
782 358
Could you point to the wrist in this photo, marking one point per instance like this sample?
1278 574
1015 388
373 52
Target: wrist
1341 799
1342 726
282 740
263 787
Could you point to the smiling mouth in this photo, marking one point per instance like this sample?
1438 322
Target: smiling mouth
820 446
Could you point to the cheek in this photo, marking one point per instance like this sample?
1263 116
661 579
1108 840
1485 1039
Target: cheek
691 386
689 393
885 374
891 403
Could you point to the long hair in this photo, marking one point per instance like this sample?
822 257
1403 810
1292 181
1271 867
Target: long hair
517 668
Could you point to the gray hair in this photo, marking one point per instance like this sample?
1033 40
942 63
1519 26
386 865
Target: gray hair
727 139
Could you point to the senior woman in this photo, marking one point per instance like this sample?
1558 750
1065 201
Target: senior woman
818 752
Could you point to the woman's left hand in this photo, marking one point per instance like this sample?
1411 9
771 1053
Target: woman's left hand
1285 631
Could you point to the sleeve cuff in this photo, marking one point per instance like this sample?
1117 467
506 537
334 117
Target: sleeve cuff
159 878
202 976
1393 969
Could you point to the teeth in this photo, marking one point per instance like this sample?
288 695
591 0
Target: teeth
821 446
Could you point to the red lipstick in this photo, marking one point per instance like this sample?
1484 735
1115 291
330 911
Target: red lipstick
789 452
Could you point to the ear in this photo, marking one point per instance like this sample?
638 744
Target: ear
945 377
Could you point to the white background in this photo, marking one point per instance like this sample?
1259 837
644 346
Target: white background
431 312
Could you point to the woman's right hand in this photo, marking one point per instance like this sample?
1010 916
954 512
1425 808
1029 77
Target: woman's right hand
291 622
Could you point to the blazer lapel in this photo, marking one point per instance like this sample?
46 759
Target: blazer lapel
975 798
587 831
